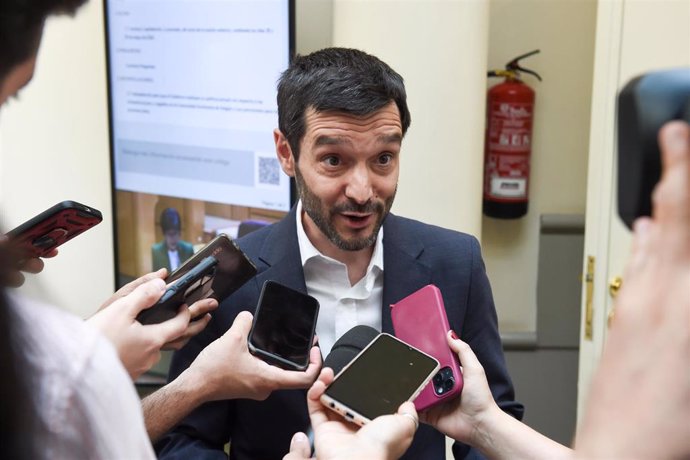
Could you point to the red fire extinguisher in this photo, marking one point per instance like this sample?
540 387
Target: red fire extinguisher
507 148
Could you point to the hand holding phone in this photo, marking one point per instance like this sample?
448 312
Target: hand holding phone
178 292
233 270
216 270
284 324
40 235
385 374
420 320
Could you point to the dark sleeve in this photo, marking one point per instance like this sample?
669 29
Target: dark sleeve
480 331
205 431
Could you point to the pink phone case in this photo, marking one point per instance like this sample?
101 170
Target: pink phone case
420 320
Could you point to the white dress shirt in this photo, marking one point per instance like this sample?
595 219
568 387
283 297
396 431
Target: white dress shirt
341 305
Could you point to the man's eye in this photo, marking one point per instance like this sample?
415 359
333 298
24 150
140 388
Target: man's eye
332 161
385 158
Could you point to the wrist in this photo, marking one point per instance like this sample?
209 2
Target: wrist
484 424
192 385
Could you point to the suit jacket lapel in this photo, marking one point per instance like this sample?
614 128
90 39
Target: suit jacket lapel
403 271
280 255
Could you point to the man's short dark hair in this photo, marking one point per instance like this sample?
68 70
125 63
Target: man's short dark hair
336 80
170 220
21 23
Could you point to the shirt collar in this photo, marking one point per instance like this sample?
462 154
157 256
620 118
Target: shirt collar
308 251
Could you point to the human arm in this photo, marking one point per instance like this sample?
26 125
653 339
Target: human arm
223 370
385 437
639 403
474 418
139 345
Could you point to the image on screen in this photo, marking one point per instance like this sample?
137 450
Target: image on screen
382 377
192 104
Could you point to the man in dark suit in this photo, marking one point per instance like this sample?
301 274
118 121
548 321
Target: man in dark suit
342 117
172 251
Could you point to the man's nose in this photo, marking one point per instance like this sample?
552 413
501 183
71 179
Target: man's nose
359 188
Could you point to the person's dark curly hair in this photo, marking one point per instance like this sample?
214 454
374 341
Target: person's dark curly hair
21 23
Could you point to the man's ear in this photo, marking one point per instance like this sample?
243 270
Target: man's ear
284 153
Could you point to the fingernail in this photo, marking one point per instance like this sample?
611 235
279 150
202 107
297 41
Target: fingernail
454 335
299 438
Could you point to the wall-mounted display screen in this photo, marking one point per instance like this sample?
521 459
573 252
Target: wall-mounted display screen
192 93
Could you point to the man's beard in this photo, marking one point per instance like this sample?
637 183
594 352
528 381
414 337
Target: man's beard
323 218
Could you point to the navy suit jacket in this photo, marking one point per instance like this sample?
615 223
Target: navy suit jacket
415 254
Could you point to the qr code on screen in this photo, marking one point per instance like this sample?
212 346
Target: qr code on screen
269 171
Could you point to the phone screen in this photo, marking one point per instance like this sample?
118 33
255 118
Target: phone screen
284 326
384 375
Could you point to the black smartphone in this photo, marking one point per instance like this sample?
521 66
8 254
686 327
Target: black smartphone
53 227
233 270
284 324
179 291
385 374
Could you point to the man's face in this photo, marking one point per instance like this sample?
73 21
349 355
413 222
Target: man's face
346 175
18 77
172 237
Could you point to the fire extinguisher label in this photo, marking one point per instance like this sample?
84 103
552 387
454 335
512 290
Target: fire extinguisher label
508 149
508 187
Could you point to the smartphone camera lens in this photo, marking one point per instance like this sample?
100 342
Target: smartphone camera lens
443 381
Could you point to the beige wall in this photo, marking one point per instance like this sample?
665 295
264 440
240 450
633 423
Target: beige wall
564 31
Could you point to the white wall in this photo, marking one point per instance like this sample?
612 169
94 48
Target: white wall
54 146
564 31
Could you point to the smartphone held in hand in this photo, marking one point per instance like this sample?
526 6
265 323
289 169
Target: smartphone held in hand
53 227
216 270
379 379
178 292
420 320
284 325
